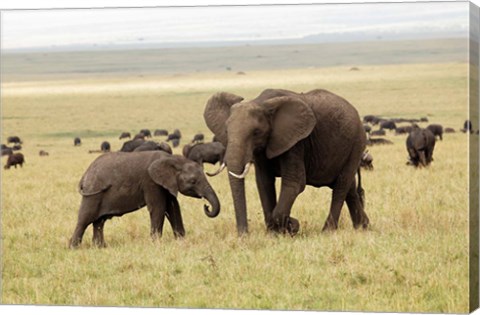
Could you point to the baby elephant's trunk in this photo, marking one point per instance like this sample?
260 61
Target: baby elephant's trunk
212 198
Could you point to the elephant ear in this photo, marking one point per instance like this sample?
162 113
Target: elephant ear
164 173
292 121
217 112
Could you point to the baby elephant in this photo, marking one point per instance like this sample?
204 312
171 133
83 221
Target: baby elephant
118 183
14 159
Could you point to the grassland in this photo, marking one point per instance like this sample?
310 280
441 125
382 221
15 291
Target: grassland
147 61
414 258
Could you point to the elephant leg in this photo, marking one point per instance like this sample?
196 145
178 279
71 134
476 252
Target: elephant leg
281 220
356 208
157 218
293 183
86 215
174 216
340 190
265 179
156 200
77 236
98 238
339 195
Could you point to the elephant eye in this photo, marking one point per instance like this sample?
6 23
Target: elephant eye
256 132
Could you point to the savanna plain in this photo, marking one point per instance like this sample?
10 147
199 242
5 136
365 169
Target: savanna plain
413 258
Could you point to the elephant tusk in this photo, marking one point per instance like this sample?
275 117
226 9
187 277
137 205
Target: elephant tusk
222 167
245 171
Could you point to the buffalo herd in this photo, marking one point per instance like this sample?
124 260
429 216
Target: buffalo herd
420 142
139 142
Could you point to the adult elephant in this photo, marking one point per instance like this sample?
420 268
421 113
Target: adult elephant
313 138
118 183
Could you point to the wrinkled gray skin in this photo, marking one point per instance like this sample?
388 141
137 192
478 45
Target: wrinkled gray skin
118 183
153 146
420 144
211 152
315 138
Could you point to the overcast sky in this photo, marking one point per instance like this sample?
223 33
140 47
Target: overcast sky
61 28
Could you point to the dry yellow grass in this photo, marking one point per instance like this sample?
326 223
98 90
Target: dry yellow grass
413 258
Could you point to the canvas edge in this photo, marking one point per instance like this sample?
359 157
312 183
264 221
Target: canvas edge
474 88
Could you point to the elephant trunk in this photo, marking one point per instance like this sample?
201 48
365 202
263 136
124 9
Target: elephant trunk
239 202
212 198
237 165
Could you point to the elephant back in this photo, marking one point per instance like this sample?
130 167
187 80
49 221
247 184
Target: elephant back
95 178
117 169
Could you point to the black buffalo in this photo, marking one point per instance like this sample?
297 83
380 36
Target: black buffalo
420 144
437 130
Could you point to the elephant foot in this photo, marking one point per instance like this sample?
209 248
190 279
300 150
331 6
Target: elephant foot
179 234
74 243
293 226
329 226
364 223
99 244
287 225
156 235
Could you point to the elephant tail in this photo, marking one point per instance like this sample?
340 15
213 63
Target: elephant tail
85 194
360 190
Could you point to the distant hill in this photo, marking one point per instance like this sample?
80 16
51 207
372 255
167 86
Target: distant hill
241 58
